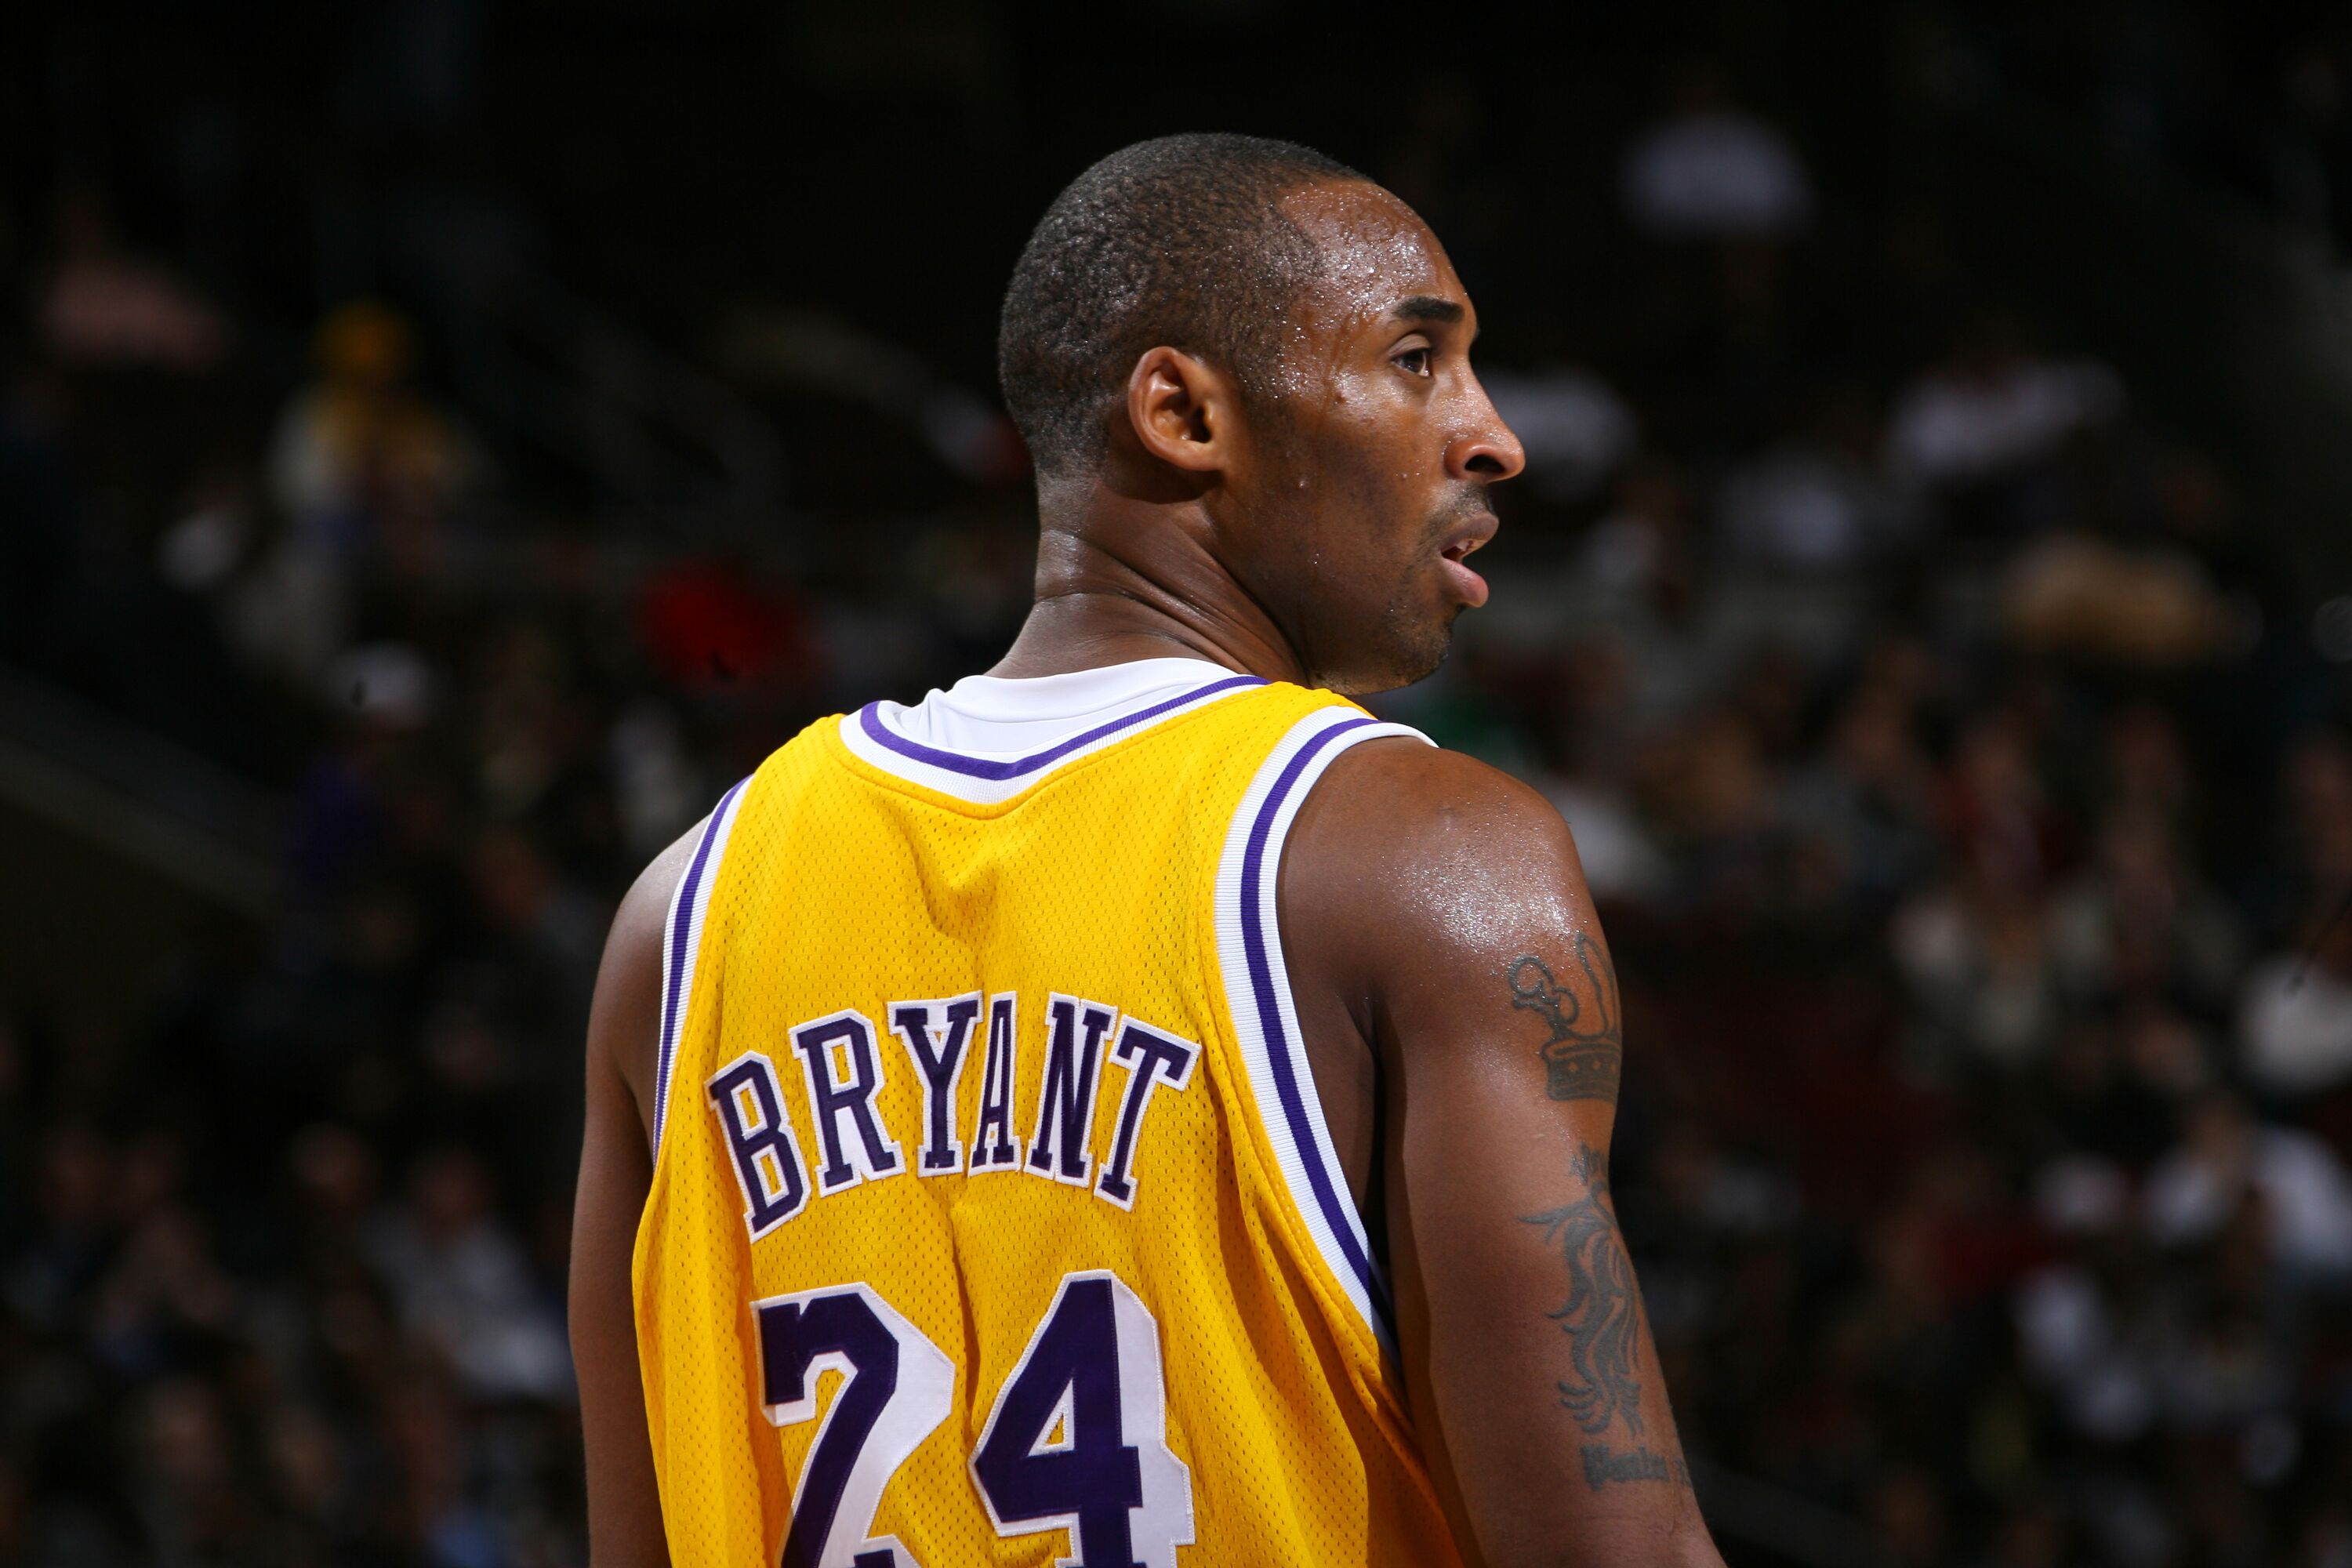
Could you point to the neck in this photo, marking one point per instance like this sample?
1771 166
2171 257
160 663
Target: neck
1121 579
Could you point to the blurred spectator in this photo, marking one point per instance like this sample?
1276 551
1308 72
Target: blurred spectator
1574 428
2138 922
1818 502
1716 799
2003 823
1870 801
106 309
658 788
2303 1193
361 447
2088 1326
1990 407
1619 857
2318 780
1634 579
2070 593
463 1285
1984 985
1709 171
2296 1028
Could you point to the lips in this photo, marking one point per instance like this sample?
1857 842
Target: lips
1473 532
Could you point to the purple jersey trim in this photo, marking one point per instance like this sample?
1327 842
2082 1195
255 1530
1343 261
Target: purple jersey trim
870 719
674 975
1337 1210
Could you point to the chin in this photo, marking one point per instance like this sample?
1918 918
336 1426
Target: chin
1405 662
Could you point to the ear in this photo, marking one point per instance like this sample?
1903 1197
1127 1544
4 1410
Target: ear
1183 412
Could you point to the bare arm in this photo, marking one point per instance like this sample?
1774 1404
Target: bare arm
1441 904
625 1526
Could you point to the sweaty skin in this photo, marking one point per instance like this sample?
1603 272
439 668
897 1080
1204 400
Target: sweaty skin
1452 981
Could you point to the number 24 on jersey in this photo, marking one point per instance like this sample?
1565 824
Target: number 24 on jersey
1077 1439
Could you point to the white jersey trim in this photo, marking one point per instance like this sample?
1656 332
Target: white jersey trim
987 739
682 944
1266 1016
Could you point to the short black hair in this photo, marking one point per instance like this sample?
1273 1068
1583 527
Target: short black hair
1181 240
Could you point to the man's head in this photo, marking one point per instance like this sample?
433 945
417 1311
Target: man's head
1252 329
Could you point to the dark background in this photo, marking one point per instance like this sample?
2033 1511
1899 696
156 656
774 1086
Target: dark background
444 443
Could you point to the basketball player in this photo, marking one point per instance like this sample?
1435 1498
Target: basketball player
1136 1107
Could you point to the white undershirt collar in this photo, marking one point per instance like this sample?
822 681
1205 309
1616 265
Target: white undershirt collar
989 737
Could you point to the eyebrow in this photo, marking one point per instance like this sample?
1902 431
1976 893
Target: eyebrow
1427 308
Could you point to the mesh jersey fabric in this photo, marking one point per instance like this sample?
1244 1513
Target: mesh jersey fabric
1121 894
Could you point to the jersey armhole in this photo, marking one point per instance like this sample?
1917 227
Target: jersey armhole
682 945
1266 1016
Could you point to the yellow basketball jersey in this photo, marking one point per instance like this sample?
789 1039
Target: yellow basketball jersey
993 1218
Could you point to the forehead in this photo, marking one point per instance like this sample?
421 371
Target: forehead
1376 252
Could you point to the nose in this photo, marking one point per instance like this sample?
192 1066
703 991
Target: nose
1485 450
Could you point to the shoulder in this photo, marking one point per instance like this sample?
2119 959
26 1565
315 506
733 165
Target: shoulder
625 1023
1400 803
644 908
1408 846
1427 786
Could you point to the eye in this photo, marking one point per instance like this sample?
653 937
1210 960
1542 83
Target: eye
1413 361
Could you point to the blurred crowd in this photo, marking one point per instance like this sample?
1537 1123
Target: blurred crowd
1944 738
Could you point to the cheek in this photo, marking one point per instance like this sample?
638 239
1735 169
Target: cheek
1392 436
1356 513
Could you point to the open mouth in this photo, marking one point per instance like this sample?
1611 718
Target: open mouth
1469 535
1468 587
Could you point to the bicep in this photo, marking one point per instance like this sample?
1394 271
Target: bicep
625 1526
1535 1385
1530 1359
623 1504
